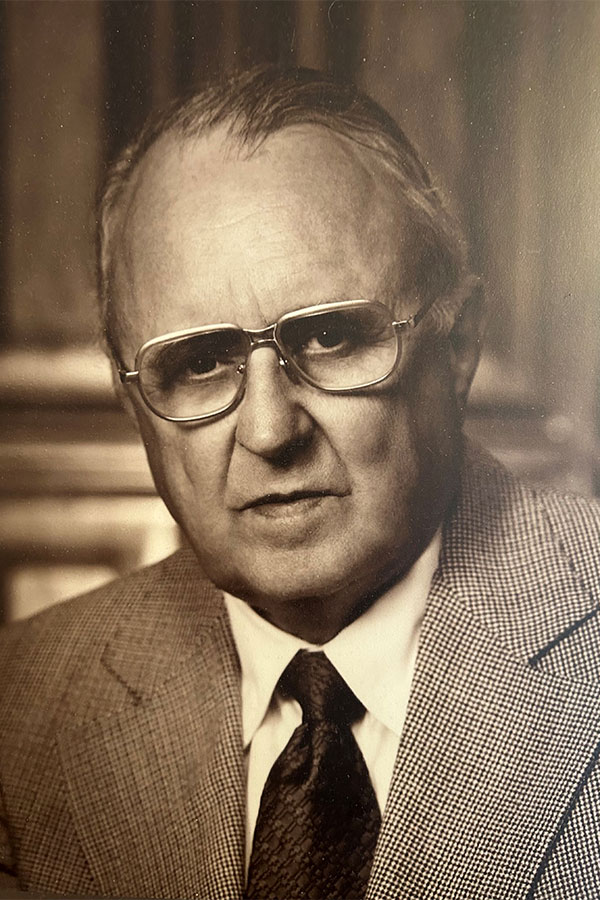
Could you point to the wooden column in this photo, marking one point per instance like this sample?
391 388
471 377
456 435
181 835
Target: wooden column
52 145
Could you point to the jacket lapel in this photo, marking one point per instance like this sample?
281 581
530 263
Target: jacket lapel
156 789
496 739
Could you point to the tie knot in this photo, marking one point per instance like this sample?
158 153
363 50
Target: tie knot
320 690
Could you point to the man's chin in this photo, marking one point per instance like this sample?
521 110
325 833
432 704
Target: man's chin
270 590
296 591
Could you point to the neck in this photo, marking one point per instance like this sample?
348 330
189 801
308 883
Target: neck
318 619
312 619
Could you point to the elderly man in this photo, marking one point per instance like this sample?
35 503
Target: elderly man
374 670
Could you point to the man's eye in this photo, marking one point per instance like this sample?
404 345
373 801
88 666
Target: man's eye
195 367
200 365
327 338
333 335
191 367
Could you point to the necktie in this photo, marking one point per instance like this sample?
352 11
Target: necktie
318 819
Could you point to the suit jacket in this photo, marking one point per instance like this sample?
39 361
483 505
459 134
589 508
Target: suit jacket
121 763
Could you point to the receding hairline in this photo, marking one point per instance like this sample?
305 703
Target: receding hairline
248 125
355 161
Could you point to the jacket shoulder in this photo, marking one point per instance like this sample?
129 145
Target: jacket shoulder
494 489
572 521
575 520
41 658
525 562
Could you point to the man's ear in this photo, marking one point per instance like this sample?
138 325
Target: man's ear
465 343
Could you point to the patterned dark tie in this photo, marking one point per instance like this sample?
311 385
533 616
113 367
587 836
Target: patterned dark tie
318 820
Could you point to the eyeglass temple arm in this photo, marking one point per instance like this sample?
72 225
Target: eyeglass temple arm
411 322
125 375
128 377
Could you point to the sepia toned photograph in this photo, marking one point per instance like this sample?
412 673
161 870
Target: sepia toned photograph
300 449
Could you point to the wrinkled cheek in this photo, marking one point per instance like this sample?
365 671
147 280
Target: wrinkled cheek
436 435
164 472
439 422
383 431
167 452
386 465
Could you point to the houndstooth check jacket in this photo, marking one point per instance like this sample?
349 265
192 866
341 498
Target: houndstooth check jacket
121 764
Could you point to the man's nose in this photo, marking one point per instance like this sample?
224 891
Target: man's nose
271 420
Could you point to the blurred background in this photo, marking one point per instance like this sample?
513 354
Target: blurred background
503 100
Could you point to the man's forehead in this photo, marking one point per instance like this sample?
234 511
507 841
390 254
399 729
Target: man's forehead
308 170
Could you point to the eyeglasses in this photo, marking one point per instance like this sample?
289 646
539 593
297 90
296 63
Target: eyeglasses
200 373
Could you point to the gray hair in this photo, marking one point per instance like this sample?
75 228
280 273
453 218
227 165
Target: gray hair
254 104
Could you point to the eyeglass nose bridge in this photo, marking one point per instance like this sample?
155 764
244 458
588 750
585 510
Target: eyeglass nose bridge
263 337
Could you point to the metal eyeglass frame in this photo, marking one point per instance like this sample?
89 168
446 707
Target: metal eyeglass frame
264 337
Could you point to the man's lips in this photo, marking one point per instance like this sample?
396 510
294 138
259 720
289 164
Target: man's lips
275 498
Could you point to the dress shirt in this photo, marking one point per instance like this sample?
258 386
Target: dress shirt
375 655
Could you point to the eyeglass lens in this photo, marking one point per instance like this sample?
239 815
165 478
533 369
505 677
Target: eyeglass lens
201 374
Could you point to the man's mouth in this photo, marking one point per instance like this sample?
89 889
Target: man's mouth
276 499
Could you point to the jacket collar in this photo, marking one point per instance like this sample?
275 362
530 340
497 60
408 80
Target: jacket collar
165 625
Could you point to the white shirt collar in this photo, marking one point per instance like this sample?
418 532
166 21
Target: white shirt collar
382 640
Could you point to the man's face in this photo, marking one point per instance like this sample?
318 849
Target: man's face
208 236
